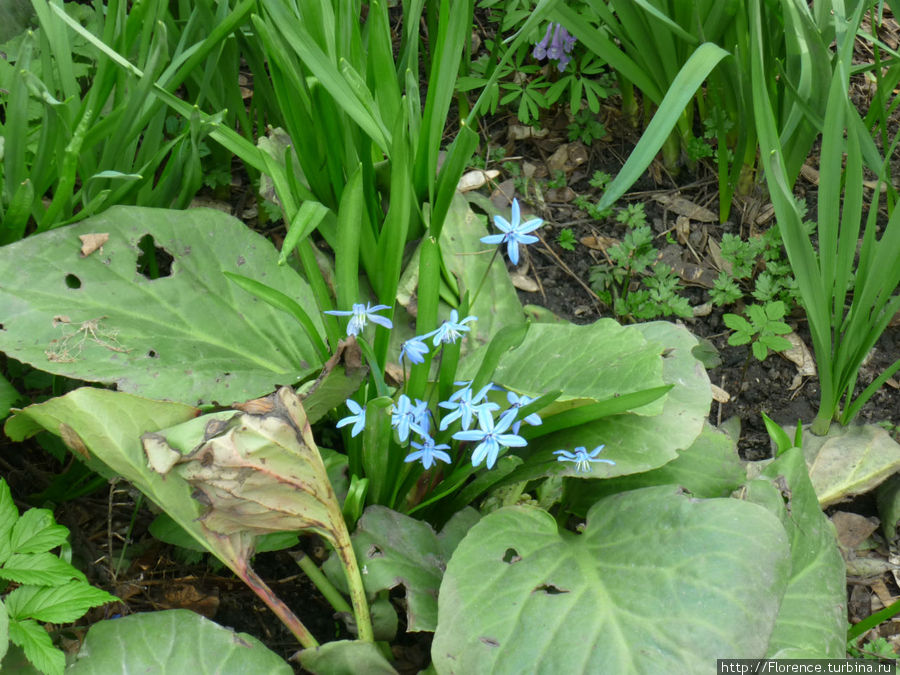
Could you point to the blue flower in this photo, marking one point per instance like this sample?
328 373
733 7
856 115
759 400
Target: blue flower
428 452
451 330
406 416
464 405
357 419
514 233
361 313
490 437
582 457
414 350
516 402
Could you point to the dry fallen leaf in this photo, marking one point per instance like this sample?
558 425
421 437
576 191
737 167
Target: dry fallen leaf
92 242
682 229
852 529
800 355
719 394
562 195
524 283
519 132
599 243
685 207
472 180
558 159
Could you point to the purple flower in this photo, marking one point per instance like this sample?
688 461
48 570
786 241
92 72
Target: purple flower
490 438
357 419
514 233
451 330
540 48
464 405
360 314
427 452
557 48
582 457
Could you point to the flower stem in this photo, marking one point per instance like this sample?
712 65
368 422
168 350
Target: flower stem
326 588
484 278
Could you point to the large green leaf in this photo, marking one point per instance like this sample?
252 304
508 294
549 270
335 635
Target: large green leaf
346 657
812 621
398 550
640 442
591 363
170 641
656 582
192 336
711 467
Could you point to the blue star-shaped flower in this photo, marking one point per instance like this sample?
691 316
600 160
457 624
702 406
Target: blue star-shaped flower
464 405
406 416
360 314
490 437
516 402
582 457
451 330
427 452
414 350
514 233
357 419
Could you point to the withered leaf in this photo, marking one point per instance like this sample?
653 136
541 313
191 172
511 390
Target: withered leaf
258 473
92 242
685 207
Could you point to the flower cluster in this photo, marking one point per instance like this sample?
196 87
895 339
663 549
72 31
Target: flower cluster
415 349
465 406
558 48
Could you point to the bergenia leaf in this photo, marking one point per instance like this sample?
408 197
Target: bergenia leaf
258 473
57 604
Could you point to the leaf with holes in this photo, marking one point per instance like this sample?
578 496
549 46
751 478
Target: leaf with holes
656 582
398 550
152 312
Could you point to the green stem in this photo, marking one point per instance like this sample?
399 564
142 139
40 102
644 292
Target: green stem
326 588
484 278
354 582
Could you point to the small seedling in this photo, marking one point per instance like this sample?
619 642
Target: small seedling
600 180
566 239
763 330
632 216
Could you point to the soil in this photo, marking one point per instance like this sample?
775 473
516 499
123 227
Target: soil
108 525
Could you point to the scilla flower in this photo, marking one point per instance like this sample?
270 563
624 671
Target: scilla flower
413 350
451 330
360 314
406 416
516 402
490 437
582 457
427 452
514 233
464 405
357 419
